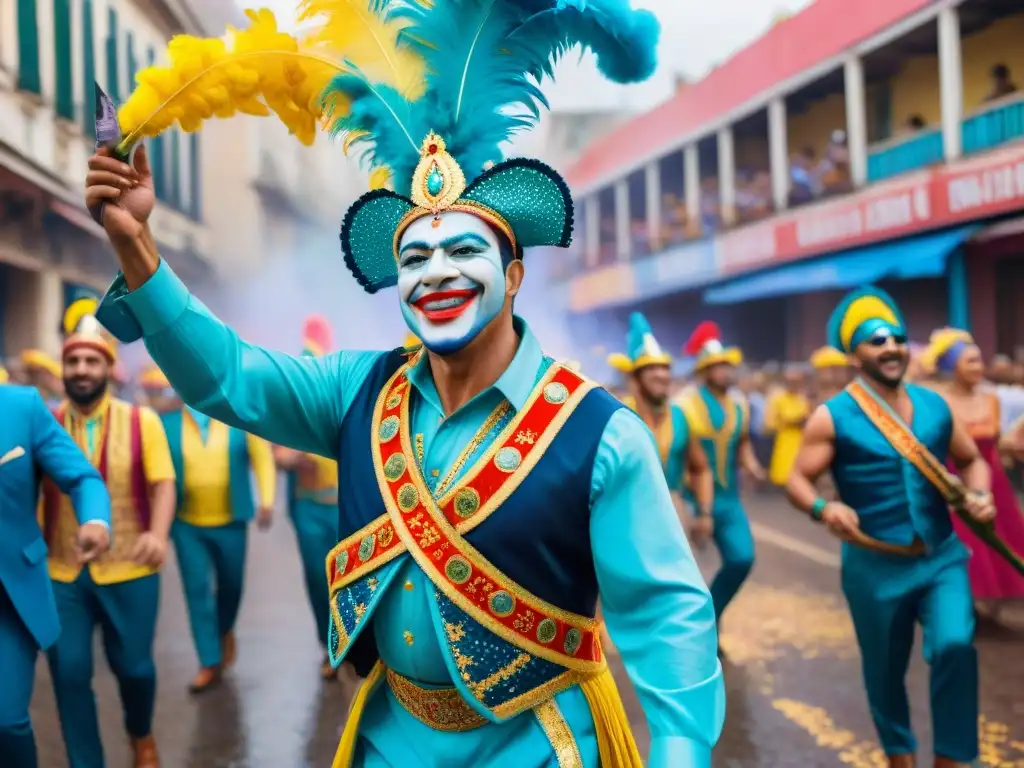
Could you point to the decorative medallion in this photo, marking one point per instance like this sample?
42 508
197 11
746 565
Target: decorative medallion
546 631
341 561
502 603
394 467
458 569
467 502
385 535
556 393
508 459
366 548
393 401
438 181
573 638
388 429
408 497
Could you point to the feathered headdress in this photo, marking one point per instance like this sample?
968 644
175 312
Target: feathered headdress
944 349
316 336
705 343
828 357
861 313
82 329
428 89
642 348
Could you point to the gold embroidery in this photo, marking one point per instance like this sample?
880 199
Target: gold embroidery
408 586
360 611
524 621
372 583
472 446
526 437
409 637
455 631
419 448
429 536
481 687
560 735
463 662
443 709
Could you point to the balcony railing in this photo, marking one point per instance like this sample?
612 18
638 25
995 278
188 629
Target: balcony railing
905 153
999 123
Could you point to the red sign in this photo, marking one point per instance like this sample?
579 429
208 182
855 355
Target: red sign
965 191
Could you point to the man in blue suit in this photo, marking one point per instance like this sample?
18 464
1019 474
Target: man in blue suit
32 443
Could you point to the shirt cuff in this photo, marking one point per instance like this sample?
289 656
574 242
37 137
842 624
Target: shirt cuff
678 752
159 302
97 521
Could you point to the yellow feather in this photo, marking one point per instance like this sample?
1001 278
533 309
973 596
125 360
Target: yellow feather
350 28
379 177
77 310
252 71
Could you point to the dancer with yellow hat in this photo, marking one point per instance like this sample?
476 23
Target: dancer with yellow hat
648 368
313 503
488 496
831 372
883 441
43 372
119 591
722 425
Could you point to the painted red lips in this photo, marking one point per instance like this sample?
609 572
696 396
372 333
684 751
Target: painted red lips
443 306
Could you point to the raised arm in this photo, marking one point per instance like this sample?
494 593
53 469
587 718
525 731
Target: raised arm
653 598
294 401
817 449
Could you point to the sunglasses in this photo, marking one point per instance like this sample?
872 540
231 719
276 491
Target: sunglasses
882 337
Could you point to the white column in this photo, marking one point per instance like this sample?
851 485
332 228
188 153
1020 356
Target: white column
9 35
778 151
726 175
184 169
47 53
50 305
78 84
951 82
623 239
592 221
652 190
691 187
99 44
856 119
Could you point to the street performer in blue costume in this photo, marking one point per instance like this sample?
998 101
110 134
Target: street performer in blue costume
885 442
649 369
721 423
488 496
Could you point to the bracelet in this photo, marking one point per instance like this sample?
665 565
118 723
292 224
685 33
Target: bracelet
817 508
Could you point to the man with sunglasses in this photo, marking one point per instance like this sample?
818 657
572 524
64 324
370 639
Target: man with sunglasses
884 442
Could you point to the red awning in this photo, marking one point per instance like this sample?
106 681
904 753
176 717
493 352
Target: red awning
820 32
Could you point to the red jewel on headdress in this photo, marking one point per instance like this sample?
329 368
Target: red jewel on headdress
432 149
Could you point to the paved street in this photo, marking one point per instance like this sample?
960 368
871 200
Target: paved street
792 671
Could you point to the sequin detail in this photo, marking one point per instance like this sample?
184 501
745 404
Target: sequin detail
508 459
556 393
467 502
388 429
394 468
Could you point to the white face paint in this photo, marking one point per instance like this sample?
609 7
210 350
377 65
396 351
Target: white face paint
450 279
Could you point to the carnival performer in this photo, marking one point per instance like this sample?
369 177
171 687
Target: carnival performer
119 591
722 424
43 372
313 505
884 441
831 373
488 496
953 356
786 413
213 467
649 371
32 442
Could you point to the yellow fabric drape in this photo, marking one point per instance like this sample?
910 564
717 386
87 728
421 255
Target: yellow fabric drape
785 415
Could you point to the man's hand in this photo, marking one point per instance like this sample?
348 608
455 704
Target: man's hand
980 506
264 518
841 520
125 191
702 527
150 550
93 540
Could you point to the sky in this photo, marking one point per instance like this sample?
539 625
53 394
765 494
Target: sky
696 35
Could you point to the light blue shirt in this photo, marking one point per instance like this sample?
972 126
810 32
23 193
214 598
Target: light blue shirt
654 601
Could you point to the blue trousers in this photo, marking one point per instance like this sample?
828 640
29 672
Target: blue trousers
888 595
736 548
18 651
126 614
212 565
316 528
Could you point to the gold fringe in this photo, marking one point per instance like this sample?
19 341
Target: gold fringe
615 743
347 745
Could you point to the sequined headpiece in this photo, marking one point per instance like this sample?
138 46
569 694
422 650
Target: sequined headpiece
643 348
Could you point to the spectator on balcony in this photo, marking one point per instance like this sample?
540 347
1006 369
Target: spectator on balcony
709 212
674 220
834 169
802 183
913 124
1002 83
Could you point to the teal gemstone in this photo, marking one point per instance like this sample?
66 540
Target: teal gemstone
435 182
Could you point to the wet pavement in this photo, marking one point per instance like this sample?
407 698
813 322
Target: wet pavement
792 672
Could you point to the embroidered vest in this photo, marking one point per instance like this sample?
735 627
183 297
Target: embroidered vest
119 460
893 499
507 547
720 428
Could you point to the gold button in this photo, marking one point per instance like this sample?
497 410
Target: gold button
435 472
409 639
408 586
